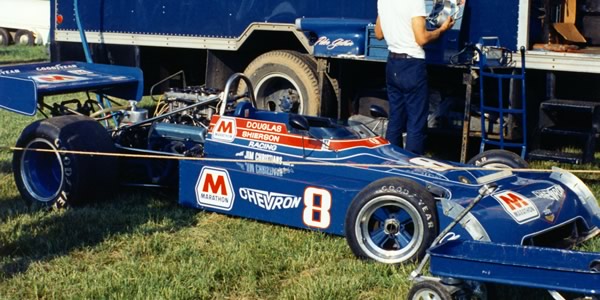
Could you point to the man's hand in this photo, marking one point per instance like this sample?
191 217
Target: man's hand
447 24
423 36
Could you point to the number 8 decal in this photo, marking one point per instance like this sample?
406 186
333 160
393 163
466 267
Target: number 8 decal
317 203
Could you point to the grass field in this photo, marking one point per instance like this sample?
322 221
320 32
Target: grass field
139 244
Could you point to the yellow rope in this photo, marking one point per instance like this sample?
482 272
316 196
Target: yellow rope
289 163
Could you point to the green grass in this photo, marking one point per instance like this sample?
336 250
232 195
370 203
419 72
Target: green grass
139 244
23 54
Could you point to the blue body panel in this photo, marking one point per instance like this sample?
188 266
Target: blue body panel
23 86
260 164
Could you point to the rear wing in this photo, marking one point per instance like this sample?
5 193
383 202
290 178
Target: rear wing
23 86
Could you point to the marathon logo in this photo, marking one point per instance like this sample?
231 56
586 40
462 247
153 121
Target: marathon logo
56 78
555 193
225 130
521 209
214 189
269 200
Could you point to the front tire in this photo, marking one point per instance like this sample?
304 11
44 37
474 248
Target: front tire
429 290
498 159
49 178
393 220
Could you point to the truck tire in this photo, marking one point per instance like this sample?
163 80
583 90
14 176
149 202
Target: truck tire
4 37
24 38
285 81
392 220
498 158
52 179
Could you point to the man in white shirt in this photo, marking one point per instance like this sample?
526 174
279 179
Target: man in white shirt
402 22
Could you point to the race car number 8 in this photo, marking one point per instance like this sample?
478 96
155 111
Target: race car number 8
317 203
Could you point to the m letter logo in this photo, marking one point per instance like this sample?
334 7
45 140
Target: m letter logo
214 189
225 130
56 78
521 209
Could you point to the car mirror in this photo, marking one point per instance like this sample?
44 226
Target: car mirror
378 112
299 122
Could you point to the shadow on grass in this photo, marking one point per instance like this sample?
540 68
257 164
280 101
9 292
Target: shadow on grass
5 166
38 236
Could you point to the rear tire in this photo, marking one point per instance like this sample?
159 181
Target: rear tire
5 38
51 179
392 220
24 38
498 159
285 81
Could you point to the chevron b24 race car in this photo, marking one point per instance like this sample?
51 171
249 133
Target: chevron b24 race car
227 156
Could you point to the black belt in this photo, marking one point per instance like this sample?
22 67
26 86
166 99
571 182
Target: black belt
399 55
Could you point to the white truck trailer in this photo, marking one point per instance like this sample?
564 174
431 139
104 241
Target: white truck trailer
25 22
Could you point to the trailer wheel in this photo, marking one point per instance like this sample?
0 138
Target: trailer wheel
392 220
24 37
498 159
4 37
47 178
429 290
285 81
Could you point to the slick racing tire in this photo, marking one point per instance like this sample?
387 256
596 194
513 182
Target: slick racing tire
24 37
429 290
285 81
498 159
48 178
4 37
392 220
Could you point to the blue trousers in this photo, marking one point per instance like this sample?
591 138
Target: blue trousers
409 103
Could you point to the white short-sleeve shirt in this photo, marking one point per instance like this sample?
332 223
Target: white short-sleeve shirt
395 17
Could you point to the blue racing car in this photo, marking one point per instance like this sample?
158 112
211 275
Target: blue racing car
226 155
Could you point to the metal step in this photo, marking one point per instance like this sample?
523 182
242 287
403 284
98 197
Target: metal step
570 105
574 132
563 157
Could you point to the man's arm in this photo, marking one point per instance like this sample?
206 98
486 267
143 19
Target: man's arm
378 31
423 36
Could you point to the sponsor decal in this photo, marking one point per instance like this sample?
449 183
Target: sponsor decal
80 72
6 72
330 45
225 130
261 157
264 126
214 189
266 170
269 200
261 136
55 67
56 78
263 146
519 207
429 163
554 193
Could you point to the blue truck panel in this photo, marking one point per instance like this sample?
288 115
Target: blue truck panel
203 18
229 19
